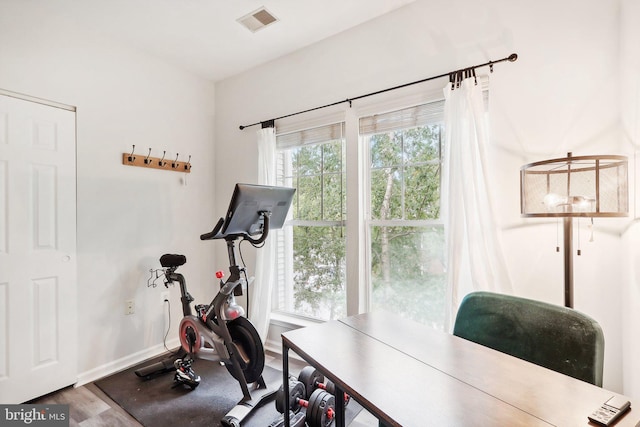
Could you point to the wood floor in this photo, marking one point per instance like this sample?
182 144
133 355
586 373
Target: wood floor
90 407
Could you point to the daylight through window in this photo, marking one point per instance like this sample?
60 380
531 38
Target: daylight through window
312 247
405 234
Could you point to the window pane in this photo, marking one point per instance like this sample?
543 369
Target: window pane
319 271
422 144
386 193
407 272
307 160
332 152
386 149
422 192
409 186
334 200
309 198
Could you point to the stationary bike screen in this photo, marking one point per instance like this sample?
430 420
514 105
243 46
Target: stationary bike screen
248 200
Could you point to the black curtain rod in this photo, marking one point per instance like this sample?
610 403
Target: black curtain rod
270 122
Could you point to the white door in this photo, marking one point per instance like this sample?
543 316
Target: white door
38 312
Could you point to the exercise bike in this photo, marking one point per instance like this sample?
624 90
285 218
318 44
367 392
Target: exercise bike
219 331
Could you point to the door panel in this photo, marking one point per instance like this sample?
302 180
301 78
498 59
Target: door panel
4 332
38 321
3 206
43 178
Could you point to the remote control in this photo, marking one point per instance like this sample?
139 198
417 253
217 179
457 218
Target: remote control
610 411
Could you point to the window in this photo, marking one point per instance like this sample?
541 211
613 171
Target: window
405 234
401 267
313 243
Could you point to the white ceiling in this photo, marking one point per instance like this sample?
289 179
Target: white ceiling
203 35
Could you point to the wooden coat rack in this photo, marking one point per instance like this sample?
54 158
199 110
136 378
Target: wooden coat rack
130 159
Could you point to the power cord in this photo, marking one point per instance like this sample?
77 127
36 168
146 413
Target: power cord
164 341
244 265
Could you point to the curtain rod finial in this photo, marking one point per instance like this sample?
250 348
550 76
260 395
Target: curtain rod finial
241 127
513 57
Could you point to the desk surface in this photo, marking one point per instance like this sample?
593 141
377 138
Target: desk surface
408 374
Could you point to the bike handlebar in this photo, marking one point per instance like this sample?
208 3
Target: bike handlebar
212 234
215 233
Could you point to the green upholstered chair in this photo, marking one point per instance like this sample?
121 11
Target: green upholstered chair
548 335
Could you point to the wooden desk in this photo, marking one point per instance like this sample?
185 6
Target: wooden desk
407 374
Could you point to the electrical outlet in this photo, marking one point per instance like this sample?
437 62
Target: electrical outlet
129 306
164 296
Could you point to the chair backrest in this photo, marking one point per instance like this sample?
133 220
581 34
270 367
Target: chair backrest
548 335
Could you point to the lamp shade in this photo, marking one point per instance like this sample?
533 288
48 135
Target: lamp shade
584 186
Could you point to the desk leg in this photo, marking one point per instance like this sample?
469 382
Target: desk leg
339 396
285 383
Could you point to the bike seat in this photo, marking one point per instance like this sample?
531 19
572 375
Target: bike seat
172 260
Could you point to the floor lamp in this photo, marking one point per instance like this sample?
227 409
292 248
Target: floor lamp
574 187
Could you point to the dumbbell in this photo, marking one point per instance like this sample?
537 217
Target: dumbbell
320 406
313 379
295 420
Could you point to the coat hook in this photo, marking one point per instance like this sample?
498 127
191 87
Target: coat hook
161 162
147 161
131 157
175 163
187 166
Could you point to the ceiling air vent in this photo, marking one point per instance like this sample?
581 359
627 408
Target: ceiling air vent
258 19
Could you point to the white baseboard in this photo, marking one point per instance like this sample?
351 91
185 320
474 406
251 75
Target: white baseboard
271 345
123 363
275 347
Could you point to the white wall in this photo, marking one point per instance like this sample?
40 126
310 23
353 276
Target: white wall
561 95
630 109
127 217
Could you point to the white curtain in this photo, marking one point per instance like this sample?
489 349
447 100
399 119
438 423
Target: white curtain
474 254
261 289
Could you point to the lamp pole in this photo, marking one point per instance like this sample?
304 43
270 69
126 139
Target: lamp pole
568 262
